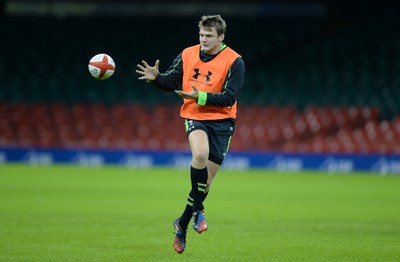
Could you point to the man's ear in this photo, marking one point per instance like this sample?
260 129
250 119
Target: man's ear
222 37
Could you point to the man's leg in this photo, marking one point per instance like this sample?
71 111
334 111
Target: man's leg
198 141
184 220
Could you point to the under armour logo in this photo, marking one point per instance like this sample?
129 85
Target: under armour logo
197 74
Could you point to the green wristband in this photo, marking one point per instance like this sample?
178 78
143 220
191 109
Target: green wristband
202 98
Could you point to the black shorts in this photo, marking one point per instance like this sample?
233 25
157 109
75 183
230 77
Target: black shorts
219 134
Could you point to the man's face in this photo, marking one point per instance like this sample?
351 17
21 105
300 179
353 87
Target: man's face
209 40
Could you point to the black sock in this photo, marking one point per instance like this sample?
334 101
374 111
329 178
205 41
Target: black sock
184 220
199 183
187 213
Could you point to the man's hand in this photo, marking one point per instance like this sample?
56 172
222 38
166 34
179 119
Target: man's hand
189 95
148 72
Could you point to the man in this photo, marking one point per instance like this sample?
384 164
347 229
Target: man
208 77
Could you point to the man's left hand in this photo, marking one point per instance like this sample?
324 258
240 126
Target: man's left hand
189 95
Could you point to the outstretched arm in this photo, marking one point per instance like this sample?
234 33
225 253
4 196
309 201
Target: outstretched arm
169 81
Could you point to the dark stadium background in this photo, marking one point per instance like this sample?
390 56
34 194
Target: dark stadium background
322 81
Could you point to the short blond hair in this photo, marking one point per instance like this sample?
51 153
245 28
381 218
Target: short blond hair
213 21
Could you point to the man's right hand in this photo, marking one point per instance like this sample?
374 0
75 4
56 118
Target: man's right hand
148 72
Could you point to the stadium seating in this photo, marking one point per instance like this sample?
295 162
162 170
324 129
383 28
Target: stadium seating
308 88
121 126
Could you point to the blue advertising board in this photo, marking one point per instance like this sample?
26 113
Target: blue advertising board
382 164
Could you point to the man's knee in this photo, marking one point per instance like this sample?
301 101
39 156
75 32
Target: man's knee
200 158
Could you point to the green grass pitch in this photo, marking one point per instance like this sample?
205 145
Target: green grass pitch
70 213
